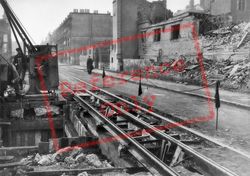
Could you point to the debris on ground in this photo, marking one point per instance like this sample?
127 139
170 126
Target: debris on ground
69 158
227 38
43 111
234 75
66 158
93 159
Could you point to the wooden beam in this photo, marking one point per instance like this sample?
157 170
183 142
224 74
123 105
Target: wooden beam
18 151
36 124
70 130
131 170
242 39
9 165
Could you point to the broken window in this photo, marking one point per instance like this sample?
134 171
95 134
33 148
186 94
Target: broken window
112 60
157 35
241 5
175 32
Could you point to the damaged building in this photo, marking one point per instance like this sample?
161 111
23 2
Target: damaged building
153 18
233 10
171 38
80 29
154 38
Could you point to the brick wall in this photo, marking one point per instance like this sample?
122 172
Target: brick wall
167 47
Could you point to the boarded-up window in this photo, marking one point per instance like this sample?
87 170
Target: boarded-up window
175 32
157 35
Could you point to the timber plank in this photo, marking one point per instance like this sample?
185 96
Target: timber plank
89 171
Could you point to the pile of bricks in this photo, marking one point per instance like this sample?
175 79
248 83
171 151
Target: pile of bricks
227 38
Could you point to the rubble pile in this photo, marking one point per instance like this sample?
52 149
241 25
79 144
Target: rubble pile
66 158
234 75
227 38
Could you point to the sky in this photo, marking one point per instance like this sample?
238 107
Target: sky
40 17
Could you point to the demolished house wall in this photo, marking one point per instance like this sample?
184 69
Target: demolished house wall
171 44
225 52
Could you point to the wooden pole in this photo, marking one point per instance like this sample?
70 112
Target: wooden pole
217 118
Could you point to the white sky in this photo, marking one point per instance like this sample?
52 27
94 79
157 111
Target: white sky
42 16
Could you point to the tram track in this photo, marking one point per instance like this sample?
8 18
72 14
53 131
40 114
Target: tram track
171 120
156 132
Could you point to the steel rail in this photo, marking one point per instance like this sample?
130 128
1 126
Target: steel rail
207 164
154 164
160 117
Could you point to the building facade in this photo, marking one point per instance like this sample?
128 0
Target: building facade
81 29
126 17
237 10
172 38
5 38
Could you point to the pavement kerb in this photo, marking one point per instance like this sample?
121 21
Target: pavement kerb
244 106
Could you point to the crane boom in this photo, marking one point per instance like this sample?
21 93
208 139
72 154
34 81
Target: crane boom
36 61
17 28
